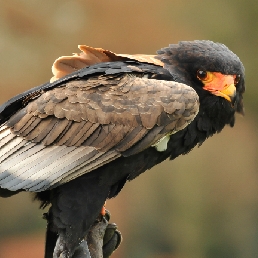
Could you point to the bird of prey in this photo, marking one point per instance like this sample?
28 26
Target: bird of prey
106 118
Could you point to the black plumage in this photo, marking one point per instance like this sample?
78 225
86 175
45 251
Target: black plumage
77 140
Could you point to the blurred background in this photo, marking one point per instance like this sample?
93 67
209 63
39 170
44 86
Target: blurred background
202 205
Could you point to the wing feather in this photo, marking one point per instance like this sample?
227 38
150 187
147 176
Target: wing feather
24 118
64 159
13 145
90 164
6 136
19 155
81 137
81 125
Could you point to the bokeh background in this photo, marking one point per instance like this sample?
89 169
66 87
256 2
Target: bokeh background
202 205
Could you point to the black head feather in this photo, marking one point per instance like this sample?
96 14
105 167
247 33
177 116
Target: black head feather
184 59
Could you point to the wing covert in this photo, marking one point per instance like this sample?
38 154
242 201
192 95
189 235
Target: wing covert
104 102
88 123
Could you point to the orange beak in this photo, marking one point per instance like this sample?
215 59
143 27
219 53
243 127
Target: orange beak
222 85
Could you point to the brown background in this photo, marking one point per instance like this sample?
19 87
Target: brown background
203 205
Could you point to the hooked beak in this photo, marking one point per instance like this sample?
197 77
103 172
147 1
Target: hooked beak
222 85
229 93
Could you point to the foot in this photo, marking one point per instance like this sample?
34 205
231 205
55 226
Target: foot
101 241
103 237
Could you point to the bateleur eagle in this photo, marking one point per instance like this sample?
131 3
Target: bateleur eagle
106 118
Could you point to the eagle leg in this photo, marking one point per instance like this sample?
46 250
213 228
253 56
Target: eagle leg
103 238
75 207
111 241
60 250
82 251
101 241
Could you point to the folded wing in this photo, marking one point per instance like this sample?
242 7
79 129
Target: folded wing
83 124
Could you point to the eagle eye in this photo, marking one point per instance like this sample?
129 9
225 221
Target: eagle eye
202 75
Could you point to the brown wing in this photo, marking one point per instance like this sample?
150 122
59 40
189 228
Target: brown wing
151 59
71 130
89 56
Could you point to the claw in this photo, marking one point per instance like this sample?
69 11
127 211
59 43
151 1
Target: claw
112 239
107 215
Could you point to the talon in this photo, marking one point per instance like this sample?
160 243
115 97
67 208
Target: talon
107 215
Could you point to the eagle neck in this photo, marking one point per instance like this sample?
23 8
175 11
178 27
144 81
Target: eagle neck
209 121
